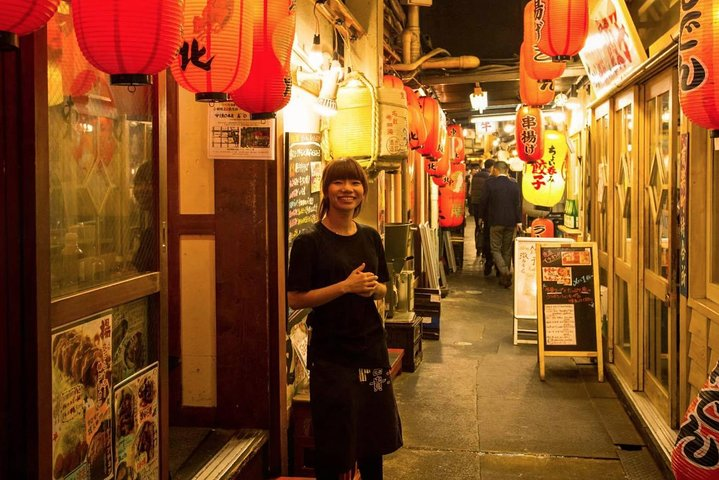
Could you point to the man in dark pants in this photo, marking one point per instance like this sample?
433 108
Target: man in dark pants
481 232
501 206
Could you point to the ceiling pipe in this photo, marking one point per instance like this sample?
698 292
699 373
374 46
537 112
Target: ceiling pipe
411 50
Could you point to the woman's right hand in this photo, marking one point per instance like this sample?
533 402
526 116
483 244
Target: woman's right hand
360 282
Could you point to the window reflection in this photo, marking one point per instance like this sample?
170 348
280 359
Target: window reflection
102 224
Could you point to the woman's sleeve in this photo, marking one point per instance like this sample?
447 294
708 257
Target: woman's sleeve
299 278
382 273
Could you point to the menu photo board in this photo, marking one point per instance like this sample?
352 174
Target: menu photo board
568 306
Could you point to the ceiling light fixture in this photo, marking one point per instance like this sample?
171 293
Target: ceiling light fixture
315 55
478 98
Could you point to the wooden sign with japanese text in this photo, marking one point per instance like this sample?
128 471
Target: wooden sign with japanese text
568 308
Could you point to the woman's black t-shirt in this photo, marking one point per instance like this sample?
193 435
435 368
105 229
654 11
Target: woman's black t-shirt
347 330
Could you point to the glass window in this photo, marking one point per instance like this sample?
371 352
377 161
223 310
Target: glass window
658 226
657 344
602 179
623 330
102 199
624 173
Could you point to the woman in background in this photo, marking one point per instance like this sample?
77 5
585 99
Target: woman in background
338 269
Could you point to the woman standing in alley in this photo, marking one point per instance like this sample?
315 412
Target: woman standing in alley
338 269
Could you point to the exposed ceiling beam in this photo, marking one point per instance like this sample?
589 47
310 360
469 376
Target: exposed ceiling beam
505 74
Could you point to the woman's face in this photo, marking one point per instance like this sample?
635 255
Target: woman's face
345 195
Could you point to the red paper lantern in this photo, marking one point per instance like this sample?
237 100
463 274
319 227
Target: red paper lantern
542 227
216 52
529 133
562 27
392 82
417 127
539 66
20 17
269 86
533 92
436 123
698 85
451 198
129 39
455 143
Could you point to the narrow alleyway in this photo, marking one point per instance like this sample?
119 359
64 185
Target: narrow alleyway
476 409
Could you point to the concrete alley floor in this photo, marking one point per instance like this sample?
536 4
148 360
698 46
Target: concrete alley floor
476 409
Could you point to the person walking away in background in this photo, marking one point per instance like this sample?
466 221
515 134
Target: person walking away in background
481 232
338 268
500 205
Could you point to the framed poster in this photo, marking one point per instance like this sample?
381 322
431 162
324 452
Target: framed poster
81 399
233 135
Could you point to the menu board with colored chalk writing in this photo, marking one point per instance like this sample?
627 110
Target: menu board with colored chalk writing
568 308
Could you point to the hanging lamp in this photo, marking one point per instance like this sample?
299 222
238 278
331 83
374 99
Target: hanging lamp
543 180
534 92
455 142
562 27
20 17
528 132
417 127
129 39
538 65
268 87
216 52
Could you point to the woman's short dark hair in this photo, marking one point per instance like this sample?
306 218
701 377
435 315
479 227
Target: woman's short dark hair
341 169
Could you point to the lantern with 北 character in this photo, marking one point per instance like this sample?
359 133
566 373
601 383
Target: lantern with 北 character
533 92
436 123
268 87
697 79
528 131
20 17
562 27
417 127
439 168
216 52
129 39
543 181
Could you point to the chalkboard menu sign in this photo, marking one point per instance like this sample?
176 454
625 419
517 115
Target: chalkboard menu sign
304 175
568 308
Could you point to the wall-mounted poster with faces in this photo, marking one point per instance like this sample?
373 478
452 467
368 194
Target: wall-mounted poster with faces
137 426
81 412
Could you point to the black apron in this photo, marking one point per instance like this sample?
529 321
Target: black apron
354 414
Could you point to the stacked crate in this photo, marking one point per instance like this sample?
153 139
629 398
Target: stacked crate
404 331
427 302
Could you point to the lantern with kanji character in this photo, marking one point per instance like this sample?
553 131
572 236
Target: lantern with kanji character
269 86
216 51
562 27
129 39
455 143
538 65
20 17
534 92
436 123
417 127
543 180
542 227
528 132
440 167
698 43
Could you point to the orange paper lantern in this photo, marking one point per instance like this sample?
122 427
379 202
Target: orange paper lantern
417 127
539 66
216 52
129 39
528 131
455 143
542 227
20 17
268 87
436 123
533 92
562 27
392 82
698 86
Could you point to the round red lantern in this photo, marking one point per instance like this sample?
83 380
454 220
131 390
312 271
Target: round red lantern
20 17
129 39
269 86
534 92
697 53
562 27
216 52
392 82
538 65
542 227
455 143
529 133
417 127
436 127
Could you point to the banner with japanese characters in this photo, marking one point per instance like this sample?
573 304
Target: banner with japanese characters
81 389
